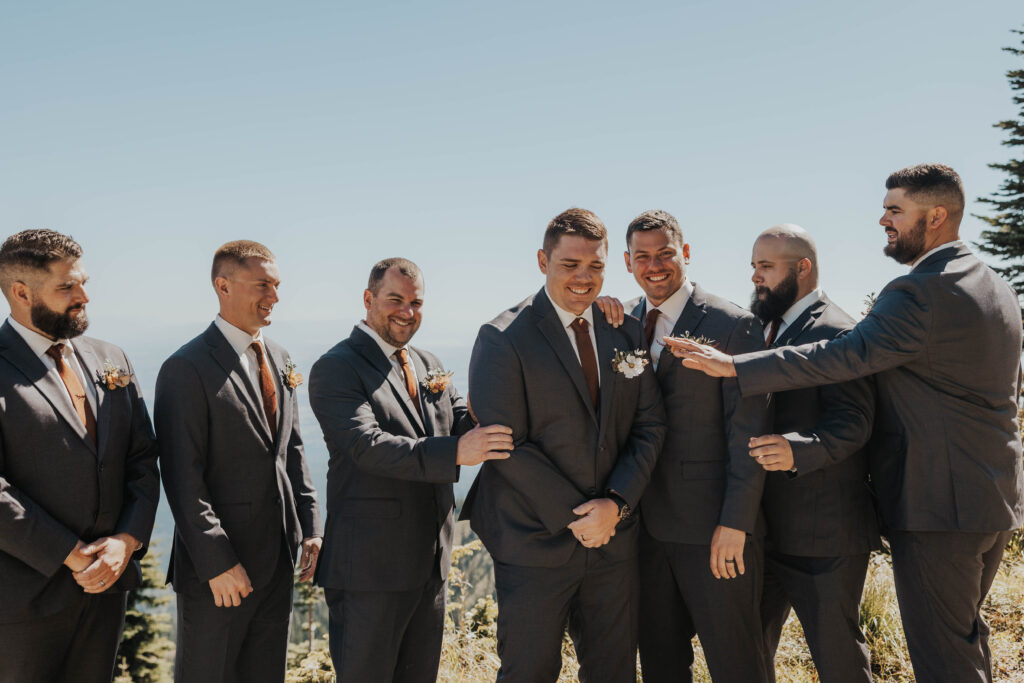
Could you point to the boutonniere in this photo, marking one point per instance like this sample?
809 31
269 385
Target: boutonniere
630 364
437 380
113 376
293 378
705 341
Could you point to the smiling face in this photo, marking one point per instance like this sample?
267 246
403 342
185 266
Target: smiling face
905 224
248 293
395 310
658 262
575 271
56 300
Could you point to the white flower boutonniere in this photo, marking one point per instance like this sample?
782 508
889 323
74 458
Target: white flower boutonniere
293 378
112 376
437 380
630 364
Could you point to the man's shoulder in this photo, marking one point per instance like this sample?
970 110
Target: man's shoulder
833 320
511 319
721 308
103 349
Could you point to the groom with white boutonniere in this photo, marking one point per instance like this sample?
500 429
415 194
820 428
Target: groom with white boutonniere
397 432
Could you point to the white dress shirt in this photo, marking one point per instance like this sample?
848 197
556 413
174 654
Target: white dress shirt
241 341
40 345
794 312
567 318
389 352
947 245
669 312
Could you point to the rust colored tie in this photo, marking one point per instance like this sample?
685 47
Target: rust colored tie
773 331
75 390
587 358
267 391
650 322
410 379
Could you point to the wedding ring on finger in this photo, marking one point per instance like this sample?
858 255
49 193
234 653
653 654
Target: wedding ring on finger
103 583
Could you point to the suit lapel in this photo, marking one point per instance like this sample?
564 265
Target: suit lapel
803 322
91 365
224 354
605 352
276 360
689 323
18 354
371 352
550 326
418 363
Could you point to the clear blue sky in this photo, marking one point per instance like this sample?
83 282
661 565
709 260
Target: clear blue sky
451 132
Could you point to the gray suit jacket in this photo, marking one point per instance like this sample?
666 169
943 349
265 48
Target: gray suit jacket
945 342
524 374
56 487
233 490
826 509
705 476
389 486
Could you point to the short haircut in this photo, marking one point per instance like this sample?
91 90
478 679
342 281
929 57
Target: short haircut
936 184
380 268
655 220
579 222
231 255
34 250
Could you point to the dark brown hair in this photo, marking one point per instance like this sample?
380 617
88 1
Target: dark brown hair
936 184
234 254
380 268
578 222
34 250
655 220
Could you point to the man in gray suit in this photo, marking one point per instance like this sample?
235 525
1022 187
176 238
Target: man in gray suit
701 551
945 457
78 474
236 480
820 513
556 515
397 431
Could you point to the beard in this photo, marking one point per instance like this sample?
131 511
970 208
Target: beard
67 325
776 301
909 245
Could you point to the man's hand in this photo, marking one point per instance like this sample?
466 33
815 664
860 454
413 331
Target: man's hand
772 452
597 521
76 560
727 552
701 357
110 556
612 308
230 587
492 442
310 554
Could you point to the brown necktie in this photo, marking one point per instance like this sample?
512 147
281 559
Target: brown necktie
649 324
587 359
410 378
267 391
75 390
773 331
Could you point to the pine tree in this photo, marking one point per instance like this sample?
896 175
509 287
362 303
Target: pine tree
145 645
1006 238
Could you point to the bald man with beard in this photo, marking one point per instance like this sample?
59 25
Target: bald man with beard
820 515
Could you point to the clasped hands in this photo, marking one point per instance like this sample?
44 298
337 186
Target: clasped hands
596 523
232 586
98 565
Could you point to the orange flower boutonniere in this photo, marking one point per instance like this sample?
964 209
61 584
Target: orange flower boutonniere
437 381
112 376
293 378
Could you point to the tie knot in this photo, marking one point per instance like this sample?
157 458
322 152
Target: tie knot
402 355
56 352
258 348
580 324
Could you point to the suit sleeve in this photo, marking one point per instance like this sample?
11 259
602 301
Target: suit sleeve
848 411
343 407
462 420
647 435
306 504
181 414
141 476
745 417
894 332
498 395
28 532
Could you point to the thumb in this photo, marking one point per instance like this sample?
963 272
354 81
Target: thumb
762 440
584 508
91 549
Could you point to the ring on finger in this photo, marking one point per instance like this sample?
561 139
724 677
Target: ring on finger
730 561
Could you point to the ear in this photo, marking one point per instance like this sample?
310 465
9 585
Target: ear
629 264
20 293
367 298
221 286
937 217
542 261
686 253
803 268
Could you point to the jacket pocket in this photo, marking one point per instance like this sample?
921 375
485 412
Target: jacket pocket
388 508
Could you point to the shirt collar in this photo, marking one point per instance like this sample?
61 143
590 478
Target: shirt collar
39 344
947 245
240 340
567 317
672 307
388 349
797 309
